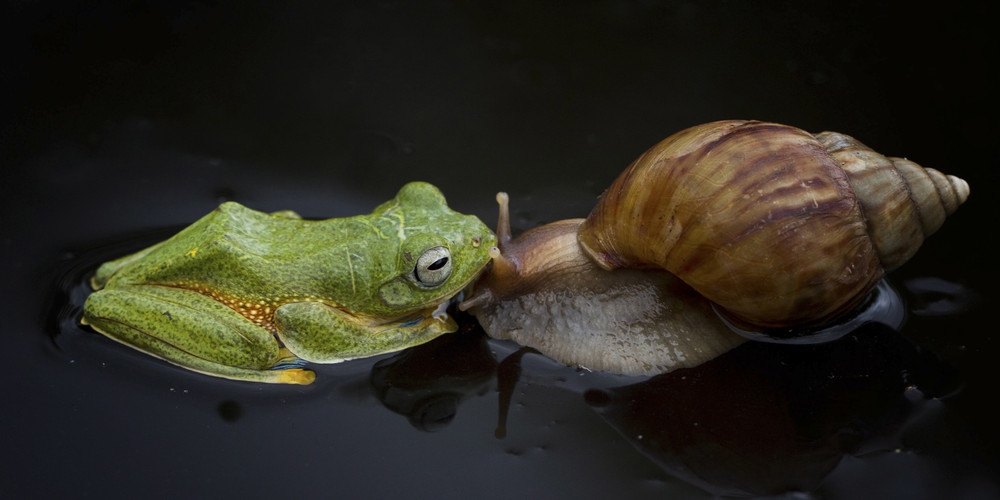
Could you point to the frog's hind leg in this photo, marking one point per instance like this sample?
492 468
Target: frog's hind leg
108 269
193 331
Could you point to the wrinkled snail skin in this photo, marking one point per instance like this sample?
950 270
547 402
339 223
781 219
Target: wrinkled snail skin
778 227
769 225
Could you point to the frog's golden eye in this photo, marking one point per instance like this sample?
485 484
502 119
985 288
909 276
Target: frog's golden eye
433 267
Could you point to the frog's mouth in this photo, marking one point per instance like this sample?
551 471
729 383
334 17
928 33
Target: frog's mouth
439 313
434 310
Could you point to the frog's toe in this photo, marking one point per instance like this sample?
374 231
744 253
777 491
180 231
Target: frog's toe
290 369
295 376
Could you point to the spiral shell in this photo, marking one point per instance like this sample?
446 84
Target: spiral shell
777 226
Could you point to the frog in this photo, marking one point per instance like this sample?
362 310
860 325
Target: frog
253 296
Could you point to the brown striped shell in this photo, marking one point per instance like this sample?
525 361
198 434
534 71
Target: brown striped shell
777 226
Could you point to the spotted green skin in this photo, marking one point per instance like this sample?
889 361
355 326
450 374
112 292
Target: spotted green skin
246 295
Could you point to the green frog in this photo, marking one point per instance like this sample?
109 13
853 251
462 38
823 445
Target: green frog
252 296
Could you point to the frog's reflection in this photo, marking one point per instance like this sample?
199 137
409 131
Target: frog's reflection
427 382
760 419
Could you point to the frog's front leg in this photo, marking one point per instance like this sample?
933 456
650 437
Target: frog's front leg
320 333
191 330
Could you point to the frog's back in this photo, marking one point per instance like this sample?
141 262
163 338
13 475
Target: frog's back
231 249
141 266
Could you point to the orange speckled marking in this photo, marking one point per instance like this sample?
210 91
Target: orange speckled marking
260 311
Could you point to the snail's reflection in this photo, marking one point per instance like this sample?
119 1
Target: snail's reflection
764 419
760 419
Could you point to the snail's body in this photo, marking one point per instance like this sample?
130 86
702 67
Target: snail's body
545 293
778 227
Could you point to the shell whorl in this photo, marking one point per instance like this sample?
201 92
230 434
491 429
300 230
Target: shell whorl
903 202
777 226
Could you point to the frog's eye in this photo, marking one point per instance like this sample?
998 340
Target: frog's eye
433 267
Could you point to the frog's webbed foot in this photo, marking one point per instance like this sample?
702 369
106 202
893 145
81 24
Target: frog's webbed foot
193 331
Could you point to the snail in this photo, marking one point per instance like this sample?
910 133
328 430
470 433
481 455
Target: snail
739 223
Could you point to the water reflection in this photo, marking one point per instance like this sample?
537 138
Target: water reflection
427 383
765 419
762 419
932 296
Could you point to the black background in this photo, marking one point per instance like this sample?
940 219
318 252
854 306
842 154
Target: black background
121 118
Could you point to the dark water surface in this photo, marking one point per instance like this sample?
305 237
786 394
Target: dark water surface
123 121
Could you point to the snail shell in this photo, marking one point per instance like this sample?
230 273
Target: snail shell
777 226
